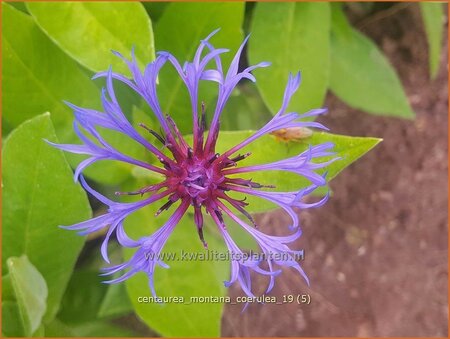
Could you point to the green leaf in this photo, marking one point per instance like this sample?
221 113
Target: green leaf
39 195
39 333
293 36
361 75
37 76
30 291
433 18
268 149
179 31
81 305
116 302
88 31
57 328
47 77
94 328
20 6
7 289
244 109
155 9
184 279
101 329
12 325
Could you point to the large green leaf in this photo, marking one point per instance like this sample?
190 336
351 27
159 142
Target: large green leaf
433 18
20 6
37 76
101 329
268 149
30 292
93 328
80 305
88 31
39 195
293 36
244 109
115 303
179 31
11 319
360 73
185 278
155 9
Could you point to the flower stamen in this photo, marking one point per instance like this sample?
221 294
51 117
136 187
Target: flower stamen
152 132
164 207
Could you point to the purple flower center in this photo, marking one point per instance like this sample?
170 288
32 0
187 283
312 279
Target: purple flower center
197 174
200 179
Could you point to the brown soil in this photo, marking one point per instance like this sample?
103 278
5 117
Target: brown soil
376 254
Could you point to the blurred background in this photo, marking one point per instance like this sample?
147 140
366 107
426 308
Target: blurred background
376 253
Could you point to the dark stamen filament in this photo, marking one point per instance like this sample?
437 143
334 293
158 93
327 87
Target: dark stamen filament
152 132
247 183
164 207
201 130
190 153
220 217
240 157
214 157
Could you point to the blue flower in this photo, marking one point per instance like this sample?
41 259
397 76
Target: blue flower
195 176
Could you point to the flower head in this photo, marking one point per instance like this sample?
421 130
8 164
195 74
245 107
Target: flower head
195 175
